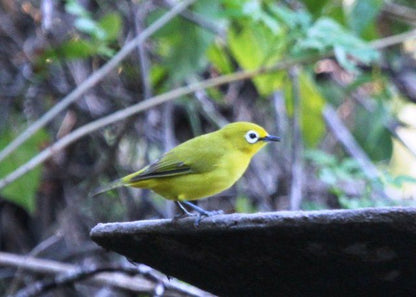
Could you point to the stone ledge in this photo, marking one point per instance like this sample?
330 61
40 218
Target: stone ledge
364 252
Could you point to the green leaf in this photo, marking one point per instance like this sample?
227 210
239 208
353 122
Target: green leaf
325 34
23 190
255 11
157 74
71 49
315 6
187 51
256 46
399 180
374 138
313 125
312 103
350 165
320 158
89 26
294 20
362 14
73 7
218 57
183 54
111 25
327 176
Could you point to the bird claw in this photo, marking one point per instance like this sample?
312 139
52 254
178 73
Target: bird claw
206 213
184 215
201 212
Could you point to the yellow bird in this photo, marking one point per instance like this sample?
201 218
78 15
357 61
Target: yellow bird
200 167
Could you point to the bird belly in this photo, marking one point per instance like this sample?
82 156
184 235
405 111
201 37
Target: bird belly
191 186
200 185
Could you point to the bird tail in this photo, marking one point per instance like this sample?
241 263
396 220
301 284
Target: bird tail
112 185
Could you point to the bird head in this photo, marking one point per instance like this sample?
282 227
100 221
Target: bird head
247 137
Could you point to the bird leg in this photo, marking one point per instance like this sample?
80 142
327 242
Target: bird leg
201 212
185 212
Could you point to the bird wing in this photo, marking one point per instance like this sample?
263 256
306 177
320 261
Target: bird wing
162 167
194 156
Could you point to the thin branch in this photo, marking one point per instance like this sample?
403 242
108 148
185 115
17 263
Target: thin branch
201 21
47 243
115 279
93 79
68 278
208 108
282 124
297 143
347 140
392 40
400 12
140 13
390 124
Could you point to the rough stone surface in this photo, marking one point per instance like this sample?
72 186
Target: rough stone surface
366 252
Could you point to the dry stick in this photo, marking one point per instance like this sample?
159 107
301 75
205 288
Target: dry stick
139 107
297 143
69 278
208 108
44 266
204 23
144 62
401 12
47 243
347 140
389 125
392 40
93 79
118 280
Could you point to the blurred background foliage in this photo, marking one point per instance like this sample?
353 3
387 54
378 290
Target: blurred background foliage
48 48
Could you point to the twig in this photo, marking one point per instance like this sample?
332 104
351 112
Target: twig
389 124
47 8
93 79
66 279
201 21
169 139
282 124
35 251
392 40
116 279
403 141
297 143
353 148
138 17
400 12
208 108
347 140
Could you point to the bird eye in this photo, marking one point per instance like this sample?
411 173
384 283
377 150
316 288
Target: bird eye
252 136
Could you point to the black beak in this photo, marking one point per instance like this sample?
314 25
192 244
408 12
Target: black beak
270 138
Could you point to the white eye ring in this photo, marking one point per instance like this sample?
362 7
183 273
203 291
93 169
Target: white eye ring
252 136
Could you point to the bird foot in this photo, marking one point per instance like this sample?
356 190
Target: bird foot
184 215
200 212
206 213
